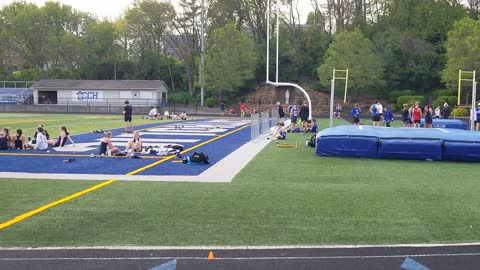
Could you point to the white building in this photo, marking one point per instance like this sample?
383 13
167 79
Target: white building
100 92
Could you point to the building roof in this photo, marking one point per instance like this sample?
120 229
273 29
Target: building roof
100 84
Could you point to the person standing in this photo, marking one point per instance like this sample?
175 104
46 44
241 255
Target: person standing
222 109
477 118
437 112
445 111
380 112
127 111
281 113
388 116
375 115
417 115
405 116
293 117
356 114
428 116
304 112
243 109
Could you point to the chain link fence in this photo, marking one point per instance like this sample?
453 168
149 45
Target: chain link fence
261 123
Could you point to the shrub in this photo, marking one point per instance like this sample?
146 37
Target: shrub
179 97
440 101
452 100
420 99
445 92
403 99
211 102
459 112
394 95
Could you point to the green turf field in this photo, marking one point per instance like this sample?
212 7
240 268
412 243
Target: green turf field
283 197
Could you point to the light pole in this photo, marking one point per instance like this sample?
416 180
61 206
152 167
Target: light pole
202 55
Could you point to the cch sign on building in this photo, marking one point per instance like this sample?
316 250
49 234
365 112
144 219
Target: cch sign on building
87 95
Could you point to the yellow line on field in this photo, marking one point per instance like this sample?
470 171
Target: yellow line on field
103 184
55 203
186 150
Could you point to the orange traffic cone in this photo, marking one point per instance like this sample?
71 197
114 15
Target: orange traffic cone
211 257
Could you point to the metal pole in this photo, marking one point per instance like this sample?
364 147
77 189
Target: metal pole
332 89
268 40
459 85
278 35
474 97
202 55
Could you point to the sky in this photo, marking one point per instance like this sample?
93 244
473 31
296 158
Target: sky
113 9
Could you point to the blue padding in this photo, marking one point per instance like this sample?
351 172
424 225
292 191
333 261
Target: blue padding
461 151
446 123
347 146
401 143
410 149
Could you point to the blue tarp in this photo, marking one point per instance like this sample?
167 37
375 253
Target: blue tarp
399 143
447 123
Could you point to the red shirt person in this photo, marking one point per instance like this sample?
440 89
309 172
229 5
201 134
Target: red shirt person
243 108
417 115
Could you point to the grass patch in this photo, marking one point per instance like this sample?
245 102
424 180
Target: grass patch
283 197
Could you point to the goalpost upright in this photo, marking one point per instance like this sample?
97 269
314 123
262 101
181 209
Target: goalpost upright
276 83
332 90
474 94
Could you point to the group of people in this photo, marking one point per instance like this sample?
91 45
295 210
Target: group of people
108 148
411 116
41 139
304 124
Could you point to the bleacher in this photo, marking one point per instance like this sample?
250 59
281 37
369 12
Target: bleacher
15 95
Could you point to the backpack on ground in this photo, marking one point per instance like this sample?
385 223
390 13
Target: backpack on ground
197 158
312 141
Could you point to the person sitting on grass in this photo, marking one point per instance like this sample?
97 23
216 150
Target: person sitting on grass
166 114
279 133
4 139
135 144
62 138
183 116
41 141
106 144
310 126
45 132
19 140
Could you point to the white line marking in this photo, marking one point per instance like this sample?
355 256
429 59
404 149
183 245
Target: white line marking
247 258
246 247
167 134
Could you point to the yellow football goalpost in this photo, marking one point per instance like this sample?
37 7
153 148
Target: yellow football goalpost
472 79
332 89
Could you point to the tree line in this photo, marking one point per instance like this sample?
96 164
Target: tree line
387 45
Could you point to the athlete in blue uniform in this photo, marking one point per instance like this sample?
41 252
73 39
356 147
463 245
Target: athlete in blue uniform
477 120
356 114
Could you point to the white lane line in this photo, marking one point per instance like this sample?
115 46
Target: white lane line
247 258
167 134
115 139
158 130
244 247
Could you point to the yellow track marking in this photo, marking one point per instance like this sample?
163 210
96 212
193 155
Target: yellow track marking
55 203
26 215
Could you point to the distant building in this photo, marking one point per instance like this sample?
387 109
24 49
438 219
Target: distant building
100 92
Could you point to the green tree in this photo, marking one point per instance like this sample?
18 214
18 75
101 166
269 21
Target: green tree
463 50
229 60
353 51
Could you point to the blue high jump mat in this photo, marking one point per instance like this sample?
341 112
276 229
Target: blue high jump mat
215 137
399 143
446 123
